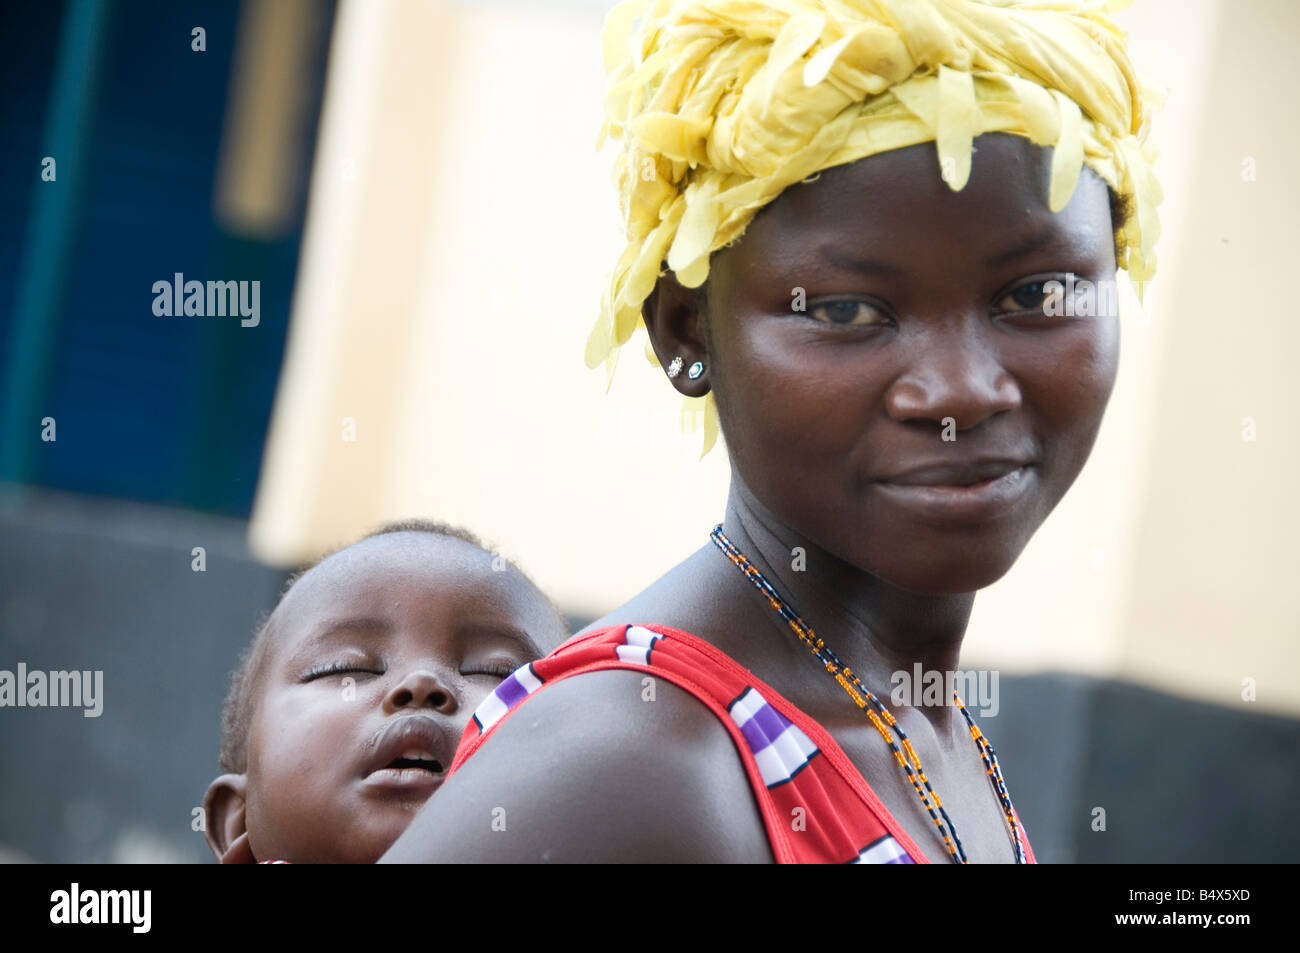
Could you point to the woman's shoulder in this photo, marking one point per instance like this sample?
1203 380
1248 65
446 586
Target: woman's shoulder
622 684
594 769
689 598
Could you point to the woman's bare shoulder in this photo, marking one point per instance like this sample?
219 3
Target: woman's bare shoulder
596 768
691 597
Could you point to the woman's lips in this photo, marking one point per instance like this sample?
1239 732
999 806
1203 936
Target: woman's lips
975 503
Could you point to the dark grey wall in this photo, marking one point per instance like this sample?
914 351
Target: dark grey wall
1179 781
92 584
87 583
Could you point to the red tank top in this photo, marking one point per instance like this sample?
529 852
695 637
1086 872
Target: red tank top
816 806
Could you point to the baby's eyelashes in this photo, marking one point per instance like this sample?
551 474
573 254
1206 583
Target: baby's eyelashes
327 669
492 668
496 668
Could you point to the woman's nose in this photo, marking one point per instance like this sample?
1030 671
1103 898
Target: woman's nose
955 376
421 688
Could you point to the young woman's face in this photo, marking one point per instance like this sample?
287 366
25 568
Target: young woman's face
927 357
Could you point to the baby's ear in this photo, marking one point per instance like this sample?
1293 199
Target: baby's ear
223 814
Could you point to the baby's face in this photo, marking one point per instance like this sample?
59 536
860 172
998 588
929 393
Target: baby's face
380 655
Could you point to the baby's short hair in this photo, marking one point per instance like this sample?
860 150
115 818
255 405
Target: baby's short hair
237 712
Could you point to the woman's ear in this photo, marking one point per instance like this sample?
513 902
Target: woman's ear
674 318
224 823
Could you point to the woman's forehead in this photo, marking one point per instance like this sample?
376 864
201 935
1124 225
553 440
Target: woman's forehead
1003 167
899 200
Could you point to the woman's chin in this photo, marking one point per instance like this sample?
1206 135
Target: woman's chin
947 573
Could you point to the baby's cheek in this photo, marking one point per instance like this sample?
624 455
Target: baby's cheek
298 810
470 698
297 773
262 823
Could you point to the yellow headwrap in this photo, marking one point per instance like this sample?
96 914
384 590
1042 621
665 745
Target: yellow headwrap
722 104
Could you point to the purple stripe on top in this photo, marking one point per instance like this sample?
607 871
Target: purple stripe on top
511 691
764 728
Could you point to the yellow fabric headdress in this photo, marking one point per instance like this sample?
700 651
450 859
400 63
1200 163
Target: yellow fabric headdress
722 104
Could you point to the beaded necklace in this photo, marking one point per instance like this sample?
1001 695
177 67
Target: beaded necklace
881 717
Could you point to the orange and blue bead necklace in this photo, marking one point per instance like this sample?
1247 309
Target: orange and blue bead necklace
880 716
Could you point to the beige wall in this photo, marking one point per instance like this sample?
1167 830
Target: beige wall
460 228
1212 583
444 299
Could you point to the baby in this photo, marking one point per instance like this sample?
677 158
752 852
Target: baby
346 709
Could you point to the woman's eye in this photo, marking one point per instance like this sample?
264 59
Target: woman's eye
1044 297
846 311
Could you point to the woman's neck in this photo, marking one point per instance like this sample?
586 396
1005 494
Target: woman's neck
881 628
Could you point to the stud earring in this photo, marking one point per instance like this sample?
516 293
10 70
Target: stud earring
675 367
695 370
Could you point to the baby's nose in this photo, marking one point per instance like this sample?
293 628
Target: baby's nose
421 688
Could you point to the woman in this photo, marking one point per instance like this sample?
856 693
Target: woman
908 378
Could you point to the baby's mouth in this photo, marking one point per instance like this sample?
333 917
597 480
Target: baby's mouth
416 761
409 756
415 772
